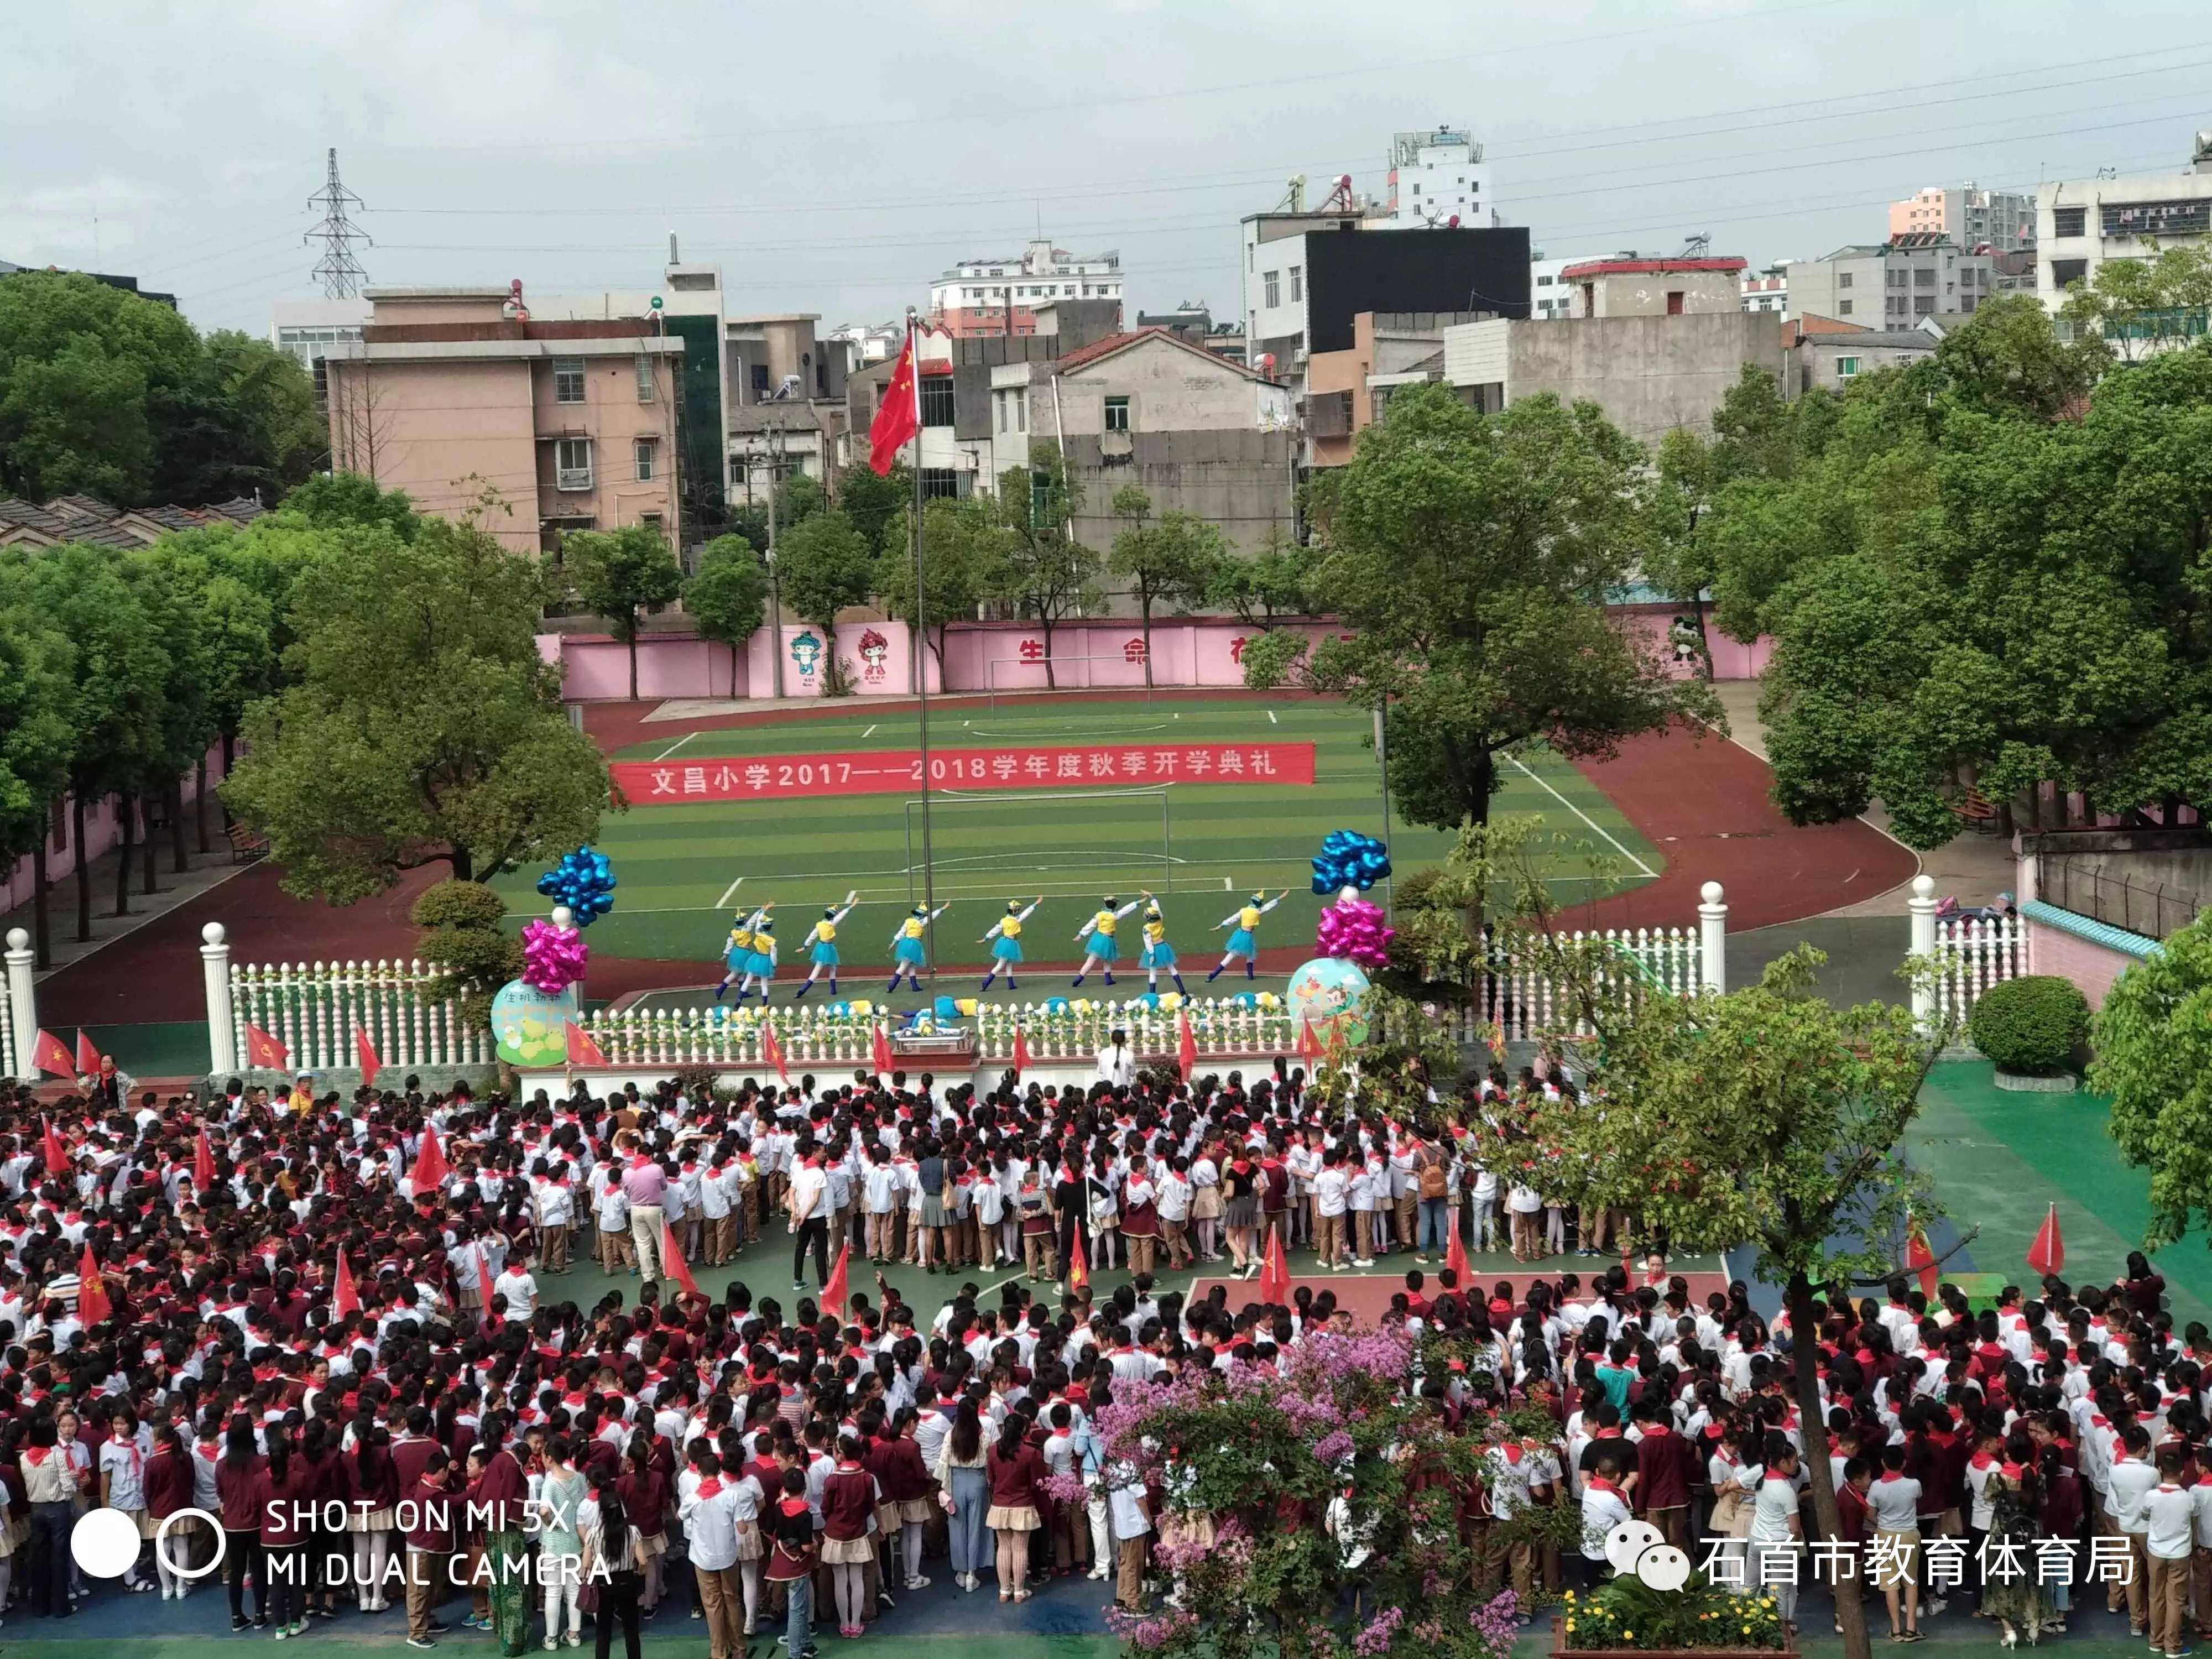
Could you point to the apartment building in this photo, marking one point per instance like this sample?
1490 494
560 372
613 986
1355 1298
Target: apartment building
1893 284
2082 223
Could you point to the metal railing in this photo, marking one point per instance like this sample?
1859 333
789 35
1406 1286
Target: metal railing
2152 909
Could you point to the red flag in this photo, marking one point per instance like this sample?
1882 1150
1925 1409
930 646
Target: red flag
430 1169
87 1054
1919 1259
2048 1253
344 1299
672 1262
883 1051
365 1055
834 1294
52 1151
49 1054
1079 1270
1455 1254
1186 1045
1275 1272
484 1277
92 1304
202 1163
1308 1047
582 1051
264 1052
1021 1053
898 416
771 1051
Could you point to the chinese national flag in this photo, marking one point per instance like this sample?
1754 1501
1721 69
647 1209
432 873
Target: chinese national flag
264 1052
1079 1270
1275 1272
1455 1254
344 1299
365 1055
834 1294
1186 1045
2048 1253
1308 1047
92 1304
672 1261
771 1051
1021 1053
1919 1259
883 1051
202 1163
582 1051
87 1054
51 1149
50 1054
898 418
430 1169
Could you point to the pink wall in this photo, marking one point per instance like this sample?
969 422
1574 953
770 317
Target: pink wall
2091 967
19 883
1732 660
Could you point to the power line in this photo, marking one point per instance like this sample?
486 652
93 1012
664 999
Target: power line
337 271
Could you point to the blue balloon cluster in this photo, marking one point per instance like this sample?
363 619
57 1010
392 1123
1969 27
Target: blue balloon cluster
584 881
1348 859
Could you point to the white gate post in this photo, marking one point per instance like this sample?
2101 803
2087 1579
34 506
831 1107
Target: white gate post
1921 908
222 1018
1712 939
22 1002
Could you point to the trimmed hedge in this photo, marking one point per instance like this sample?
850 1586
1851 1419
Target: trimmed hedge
2034 1024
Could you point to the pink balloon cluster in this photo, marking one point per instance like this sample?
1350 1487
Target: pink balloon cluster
1354 929
553 958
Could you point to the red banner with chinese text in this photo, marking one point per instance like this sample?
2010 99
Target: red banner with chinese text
898 771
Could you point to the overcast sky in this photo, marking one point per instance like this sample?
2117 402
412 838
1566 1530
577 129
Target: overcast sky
831 157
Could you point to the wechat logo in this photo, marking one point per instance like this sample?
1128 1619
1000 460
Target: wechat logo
1639 1546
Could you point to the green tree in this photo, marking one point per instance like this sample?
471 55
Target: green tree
2008 358
2135 308
38 738
462 937
273 420
728 598
1676 561
966 548
1765 1117
332 499
823 566
186 725
1171 561
420 726
873 501
622 575
1047 573
2153 1040
1269 585
1471 558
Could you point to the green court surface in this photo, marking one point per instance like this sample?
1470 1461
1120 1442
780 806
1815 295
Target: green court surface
2000 1159
682 870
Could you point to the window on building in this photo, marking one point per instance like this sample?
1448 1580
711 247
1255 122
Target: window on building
2063 272
1923 304
1846 367
1117 414
572 464
760 379
1298 286
937 400
1005 419
1271 289
1842 308
1674 302
1843 279
1545 281
1021 411
942 483
567 379
645 379
641 451
1924 276
650 520
2069 221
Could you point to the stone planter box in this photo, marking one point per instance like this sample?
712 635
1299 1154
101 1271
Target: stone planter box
2064 1082
1560 1651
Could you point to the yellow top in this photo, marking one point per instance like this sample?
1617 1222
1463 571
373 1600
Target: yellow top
911 928
1249 917
741 938
1105 922
825 930
1011 927
1155 932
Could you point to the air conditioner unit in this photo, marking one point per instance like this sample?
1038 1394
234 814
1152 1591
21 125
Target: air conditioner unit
572 477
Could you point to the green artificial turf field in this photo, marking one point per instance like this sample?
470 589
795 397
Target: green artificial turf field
682 870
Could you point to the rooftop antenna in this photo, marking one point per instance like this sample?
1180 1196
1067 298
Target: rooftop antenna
338 271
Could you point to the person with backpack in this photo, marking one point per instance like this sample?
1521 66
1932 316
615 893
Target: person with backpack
1432 1186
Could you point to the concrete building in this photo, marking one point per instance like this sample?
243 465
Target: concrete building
2081 223
309 328
1001 295
1347 391
1633 287
451 390
1767 289
1969 216
1550 300
871 342
1826 355
1437 180
1651 374
1893 284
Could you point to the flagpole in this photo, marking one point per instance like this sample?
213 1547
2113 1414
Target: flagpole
921 682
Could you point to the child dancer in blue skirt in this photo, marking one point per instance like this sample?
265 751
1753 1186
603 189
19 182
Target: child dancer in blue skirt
1103 947
1005 940
1241 941
1158 953
822 946
762 968
737 954
908 954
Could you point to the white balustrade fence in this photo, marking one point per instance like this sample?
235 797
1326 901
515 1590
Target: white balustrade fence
19 1008
314 1008
1969 954
1522 1002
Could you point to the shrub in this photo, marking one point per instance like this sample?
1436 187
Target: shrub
2034 1024
458 904
462 936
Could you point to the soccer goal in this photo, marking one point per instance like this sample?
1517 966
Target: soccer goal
1023 843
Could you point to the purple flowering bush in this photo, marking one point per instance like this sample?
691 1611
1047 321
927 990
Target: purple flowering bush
1262 1556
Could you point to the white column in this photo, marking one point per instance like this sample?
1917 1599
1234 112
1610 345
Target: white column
22 1001
1712 939
222 1018
1921 908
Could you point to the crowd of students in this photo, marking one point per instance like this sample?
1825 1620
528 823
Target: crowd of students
435 1423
